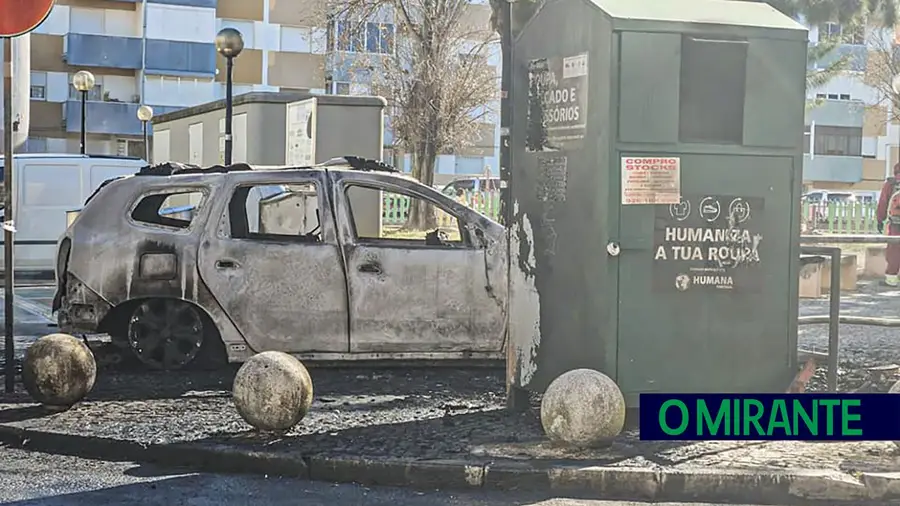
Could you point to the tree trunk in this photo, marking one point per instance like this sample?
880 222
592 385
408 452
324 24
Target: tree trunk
421 212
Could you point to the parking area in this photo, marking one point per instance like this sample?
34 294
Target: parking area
33 316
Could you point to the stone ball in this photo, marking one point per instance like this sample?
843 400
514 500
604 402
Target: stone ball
272 391
59 370
583 408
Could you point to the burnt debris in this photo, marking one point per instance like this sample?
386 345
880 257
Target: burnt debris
362 164
175 168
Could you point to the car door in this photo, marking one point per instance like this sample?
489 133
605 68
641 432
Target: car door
408 295
273 263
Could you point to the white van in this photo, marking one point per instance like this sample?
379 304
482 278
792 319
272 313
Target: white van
46 187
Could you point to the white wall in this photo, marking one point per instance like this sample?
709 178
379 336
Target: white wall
296 39
121 88
266 36
55 85
176 22
850 83
57 23
246 28
179 92
104 22
161 146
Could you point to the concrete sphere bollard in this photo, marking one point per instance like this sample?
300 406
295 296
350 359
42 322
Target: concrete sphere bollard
272 391
59 370
583 408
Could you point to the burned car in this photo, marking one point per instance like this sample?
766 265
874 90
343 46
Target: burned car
185 265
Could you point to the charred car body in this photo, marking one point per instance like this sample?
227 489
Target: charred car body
181 264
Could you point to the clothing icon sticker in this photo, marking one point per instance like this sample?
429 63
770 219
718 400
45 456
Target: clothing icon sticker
739 210
682 282
680 211
710 209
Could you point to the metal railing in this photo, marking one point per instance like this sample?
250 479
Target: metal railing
834 317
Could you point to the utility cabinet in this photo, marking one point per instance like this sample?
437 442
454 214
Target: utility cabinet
655 182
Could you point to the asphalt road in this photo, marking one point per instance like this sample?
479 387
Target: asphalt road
30 478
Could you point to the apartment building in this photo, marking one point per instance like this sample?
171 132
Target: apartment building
852 134
162 53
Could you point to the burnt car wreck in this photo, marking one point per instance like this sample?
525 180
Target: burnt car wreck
185 265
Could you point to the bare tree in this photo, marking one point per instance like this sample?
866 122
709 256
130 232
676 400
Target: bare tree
882 69
434 73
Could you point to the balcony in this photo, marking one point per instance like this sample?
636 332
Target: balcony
836 169
83 50
116 118
163 56
838 113
180 58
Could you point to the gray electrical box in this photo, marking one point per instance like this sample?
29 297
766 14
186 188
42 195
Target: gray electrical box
339 125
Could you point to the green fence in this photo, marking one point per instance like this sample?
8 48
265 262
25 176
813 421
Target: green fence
840 217
824 217
395 208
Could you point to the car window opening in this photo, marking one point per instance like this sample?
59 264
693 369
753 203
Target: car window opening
396 209
175 210
276 212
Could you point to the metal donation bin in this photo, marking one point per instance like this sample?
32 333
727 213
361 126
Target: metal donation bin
654 190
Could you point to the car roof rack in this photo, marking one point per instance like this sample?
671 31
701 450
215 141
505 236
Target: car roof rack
176 168
360 163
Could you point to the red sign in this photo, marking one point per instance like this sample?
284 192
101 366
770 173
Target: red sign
18 17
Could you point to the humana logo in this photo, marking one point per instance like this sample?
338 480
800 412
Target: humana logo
713 280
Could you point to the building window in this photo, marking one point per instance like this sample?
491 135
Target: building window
712 110
95 94
349 37
844 96
339 88
357 37
854 35
837 141
380 38
128 147
38 92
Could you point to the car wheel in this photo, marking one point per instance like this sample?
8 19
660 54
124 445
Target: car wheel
165 333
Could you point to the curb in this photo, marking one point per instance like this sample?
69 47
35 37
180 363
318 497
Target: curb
614 483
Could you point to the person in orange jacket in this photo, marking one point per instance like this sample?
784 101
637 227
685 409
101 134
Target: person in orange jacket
889 211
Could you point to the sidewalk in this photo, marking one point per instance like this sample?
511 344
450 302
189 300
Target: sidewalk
434 428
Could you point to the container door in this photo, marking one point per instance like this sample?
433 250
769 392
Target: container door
706 300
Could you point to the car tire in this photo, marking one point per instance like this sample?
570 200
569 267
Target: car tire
170 334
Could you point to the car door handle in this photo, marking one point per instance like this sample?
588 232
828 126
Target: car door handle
370 268
226 264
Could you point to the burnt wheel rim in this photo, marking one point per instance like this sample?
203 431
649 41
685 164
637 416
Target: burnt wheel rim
165 334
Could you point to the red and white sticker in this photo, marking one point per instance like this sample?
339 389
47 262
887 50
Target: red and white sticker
647 180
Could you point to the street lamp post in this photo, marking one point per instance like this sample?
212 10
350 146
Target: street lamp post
229 43
83 81
145 114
